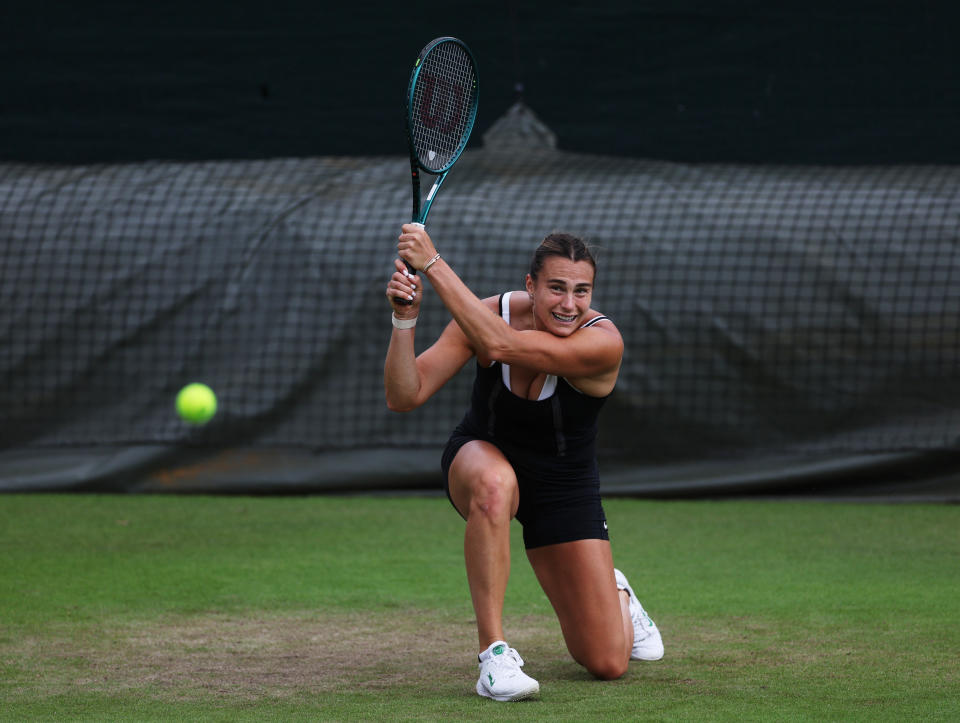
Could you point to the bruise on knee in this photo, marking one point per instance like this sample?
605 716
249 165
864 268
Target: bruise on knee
493 496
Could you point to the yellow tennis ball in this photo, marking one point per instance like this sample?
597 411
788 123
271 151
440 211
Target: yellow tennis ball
196 403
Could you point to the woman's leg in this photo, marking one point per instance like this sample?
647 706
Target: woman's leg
594 616
483 488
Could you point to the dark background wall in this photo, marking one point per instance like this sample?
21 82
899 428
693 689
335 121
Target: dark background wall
850 82
682 82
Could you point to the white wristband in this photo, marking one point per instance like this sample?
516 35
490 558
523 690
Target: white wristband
403 323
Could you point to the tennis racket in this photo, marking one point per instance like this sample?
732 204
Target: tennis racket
441 108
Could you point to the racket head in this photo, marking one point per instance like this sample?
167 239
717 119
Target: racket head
442 100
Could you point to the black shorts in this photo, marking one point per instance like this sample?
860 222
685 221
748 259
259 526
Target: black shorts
559 496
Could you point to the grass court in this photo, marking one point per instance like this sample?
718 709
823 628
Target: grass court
118 607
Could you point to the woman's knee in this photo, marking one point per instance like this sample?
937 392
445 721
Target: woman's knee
482 482
606 666
493 491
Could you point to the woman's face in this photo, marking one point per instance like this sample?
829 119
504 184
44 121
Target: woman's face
561 294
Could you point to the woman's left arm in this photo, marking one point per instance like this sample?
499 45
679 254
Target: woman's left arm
589 353
485 330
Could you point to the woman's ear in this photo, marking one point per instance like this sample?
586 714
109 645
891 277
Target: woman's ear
529 285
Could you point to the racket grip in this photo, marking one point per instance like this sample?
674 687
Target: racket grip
409 267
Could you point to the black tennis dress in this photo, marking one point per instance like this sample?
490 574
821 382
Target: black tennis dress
551 444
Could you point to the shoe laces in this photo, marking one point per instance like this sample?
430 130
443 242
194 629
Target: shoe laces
509 658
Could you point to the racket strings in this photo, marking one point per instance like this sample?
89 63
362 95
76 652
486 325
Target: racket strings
444 96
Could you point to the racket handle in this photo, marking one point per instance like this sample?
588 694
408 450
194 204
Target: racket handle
402 301
409 267
407 302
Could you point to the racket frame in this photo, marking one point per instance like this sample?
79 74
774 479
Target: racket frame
422 208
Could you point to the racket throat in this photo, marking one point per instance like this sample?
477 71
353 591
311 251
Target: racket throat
428 201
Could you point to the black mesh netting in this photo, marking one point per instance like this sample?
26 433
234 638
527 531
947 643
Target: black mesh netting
797 309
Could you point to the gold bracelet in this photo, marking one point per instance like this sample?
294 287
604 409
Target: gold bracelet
430 263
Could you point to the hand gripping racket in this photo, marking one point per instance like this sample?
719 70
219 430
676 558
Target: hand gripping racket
441 108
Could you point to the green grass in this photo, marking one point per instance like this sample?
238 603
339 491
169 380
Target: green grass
334 608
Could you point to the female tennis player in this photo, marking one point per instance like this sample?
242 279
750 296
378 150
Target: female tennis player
546 362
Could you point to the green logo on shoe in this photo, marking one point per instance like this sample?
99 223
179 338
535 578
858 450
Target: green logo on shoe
491 678
497 650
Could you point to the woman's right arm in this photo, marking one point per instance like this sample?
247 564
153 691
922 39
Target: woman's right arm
410 380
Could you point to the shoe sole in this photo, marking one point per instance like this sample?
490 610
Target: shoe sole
523 695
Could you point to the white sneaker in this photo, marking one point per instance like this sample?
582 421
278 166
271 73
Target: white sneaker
500 674
647 643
